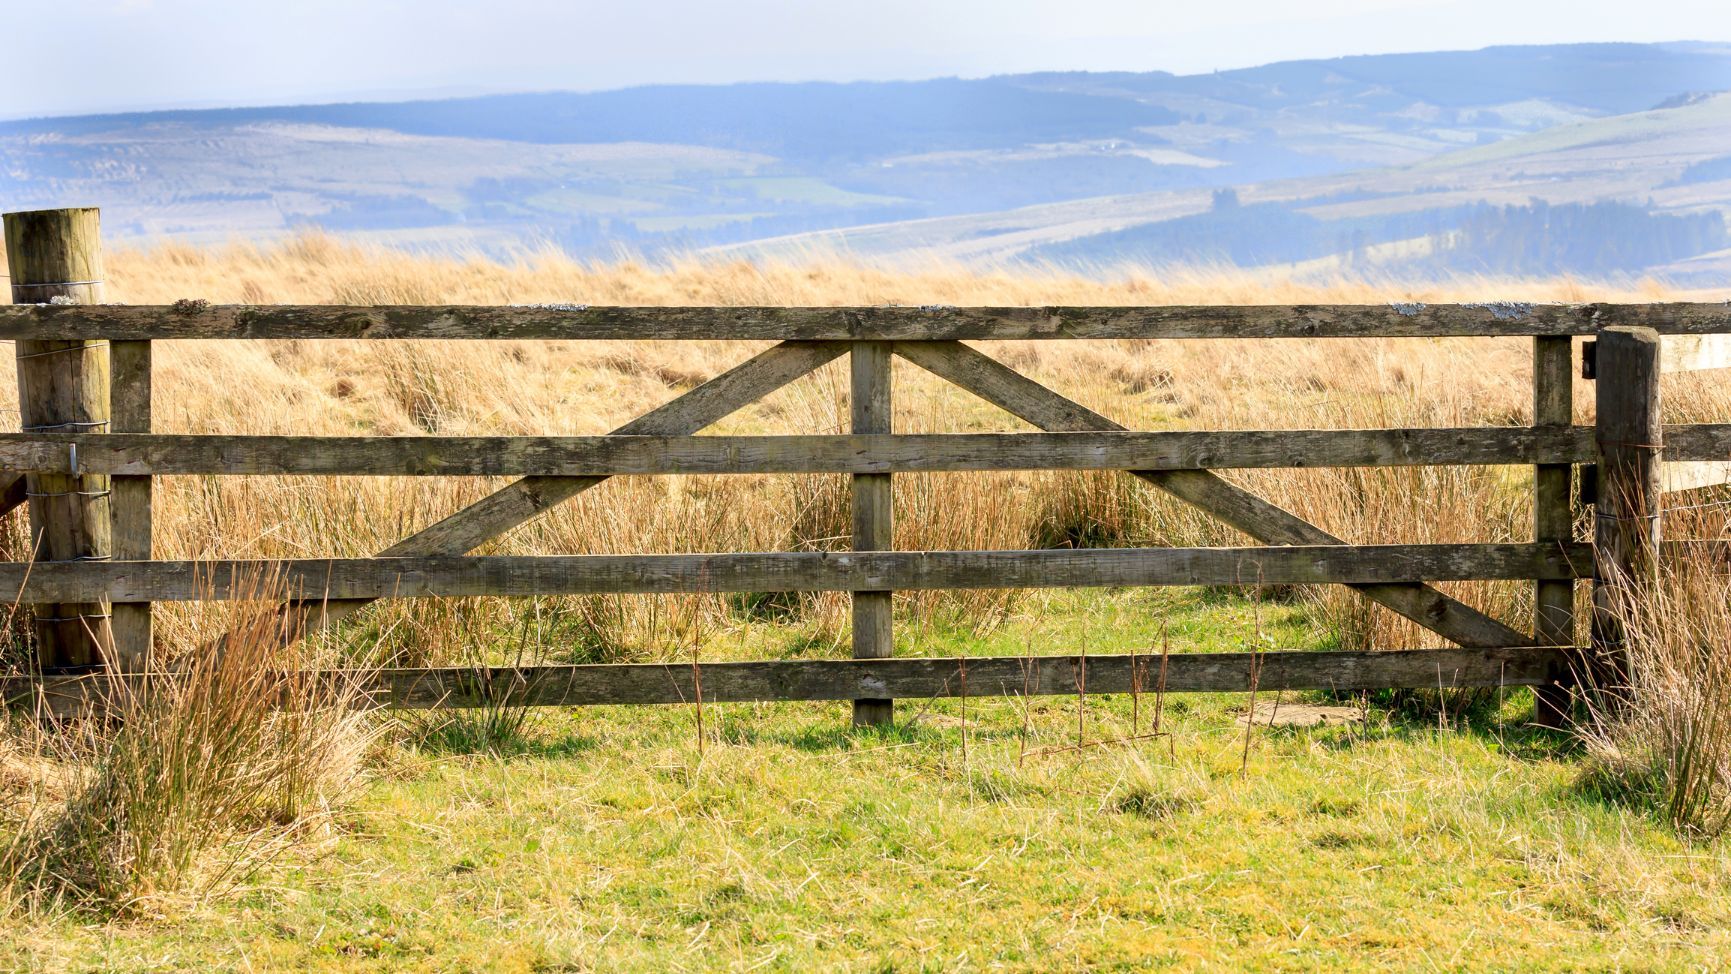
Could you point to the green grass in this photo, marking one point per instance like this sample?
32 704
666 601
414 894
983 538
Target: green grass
1061 622
1649 125
606 841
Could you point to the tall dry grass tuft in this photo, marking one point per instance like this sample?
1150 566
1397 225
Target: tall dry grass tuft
191 779
1663 740
1668 740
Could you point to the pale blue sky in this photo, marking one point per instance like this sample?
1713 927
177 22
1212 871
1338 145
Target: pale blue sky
167 53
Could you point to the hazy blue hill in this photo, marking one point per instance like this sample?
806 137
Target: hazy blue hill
676 167
1643 192
819 120
804 121
1613 79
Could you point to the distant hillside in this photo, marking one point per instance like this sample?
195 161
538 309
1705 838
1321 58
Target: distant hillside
811 121
1655 179
1027 165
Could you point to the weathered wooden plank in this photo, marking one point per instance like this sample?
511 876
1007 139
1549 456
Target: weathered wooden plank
843 571
1030 401
1689 353
1692 474
860 453
1627 519
873 520
919 679
1553 515
1699 441
193 319
129 398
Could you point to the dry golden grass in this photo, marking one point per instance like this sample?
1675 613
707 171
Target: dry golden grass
570 388
1660 733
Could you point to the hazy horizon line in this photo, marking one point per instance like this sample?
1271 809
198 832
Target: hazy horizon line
456 92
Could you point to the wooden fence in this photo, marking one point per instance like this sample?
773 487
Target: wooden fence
85 459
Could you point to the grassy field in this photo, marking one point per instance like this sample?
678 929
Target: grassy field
1429 831
613 840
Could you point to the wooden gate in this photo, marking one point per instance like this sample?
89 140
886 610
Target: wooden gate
86 456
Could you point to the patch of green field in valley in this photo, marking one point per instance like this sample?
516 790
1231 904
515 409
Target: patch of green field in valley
806 189
607 839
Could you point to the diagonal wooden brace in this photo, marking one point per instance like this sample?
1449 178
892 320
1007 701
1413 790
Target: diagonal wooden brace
1030 401
523 500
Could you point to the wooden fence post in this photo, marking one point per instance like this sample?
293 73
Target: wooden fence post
873 522
55 256
1553 517
1627 523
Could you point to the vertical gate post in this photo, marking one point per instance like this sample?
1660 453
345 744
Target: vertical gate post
1553 518
55 256
873 523
1626 524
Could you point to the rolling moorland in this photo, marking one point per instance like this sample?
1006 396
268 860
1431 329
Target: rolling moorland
1416 165
1429 831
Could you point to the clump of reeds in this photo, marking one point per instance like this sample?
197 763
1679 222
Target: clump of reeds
1659 730
187 778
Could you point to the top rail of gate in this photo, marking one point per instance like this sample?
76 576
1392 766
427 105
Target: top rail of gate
192 319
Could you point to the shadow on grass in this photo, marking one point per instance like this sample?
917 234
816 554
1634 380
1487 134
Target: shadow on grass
1521 741
491 732
841 737
1638 791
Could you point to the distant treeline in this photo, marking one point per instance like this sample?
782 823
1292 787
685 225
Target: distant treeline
1249 235
1593 238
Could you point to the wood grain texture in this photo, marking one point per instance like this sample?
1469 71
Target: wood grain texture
56 255
1553 516
196 320
802 571
1627 518
873 515
1698 441
919 679
1028 400
130 399
861 453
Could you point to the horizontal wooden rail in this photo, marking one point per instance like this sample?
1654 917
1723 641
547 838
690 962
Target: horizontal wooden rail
160 453
453 456
371 578
1693 474
1692 353
864 679
195 319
